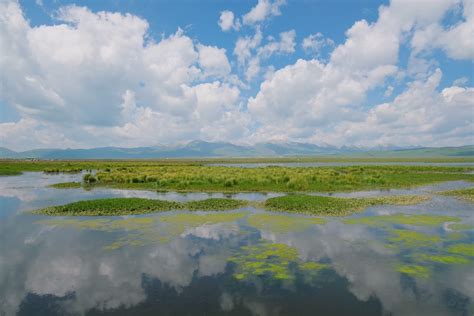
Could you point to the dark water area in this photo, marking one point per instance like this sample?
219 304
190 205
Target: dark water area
388 260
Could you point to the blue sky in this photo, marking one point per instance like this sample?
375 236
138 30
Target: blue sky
136 73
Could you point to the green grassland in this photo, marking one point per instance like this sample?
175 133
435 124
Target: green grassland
16 166
195 175
276 179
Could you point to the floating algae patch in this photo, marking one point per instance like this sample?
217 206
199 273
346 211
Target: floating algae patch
283 224
335 206
464 194
194 219
456 236
215 204
272 260
108 225
412 239
445 259
462 249
313 266
403 219
414 270
141 231
264 259
460 226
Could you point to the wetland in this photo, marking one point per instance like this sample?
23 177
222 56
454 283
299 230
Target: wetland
343 240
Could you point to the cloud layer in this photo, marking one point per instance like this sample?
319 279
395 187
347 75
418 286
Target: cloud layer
99 78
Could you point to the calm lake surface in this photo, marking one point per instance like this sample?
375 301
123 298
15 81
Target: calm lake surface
241 262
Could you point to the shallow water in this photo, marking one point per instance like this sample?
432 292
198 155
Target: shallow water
242 262
342 164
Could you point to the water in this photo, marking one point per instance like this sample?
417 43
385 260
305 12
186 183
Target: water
342 164
242 262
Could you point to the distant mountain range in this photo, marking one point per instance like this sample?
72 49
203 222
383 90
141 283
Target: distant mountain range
202 149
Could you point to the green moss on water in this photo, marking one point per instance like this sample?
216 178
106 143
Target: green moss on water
271 260
412 239
403 219
215 204
283 223
462 249
107 225
193 219
333 206
141 231
444 259
414 270
313 266
465 194
264 259
457 226
455 236
66 185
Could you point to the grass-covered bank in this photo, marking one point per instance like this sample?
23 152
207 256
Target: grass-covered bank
465 194
17 166
135 206
195 176
333 206
277 179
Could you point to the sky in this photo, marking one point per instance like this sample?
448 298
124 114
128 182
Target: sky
82 74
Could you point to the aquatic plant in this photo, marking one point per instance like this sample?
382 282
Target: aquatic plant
444 259
142 231
195 219
262 259
412 239
274 260
66 185
333 206
464 194
62 170
283 223
460 226
403 219
462 249
414 270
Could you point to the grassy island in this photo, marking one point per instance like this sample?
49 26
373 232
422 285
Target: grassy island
465 194
333 206
306 204
135 206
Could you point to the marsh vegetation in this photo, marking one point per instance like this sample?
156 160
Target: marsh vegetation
333 206
133 206
465 194
195 175
302 204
